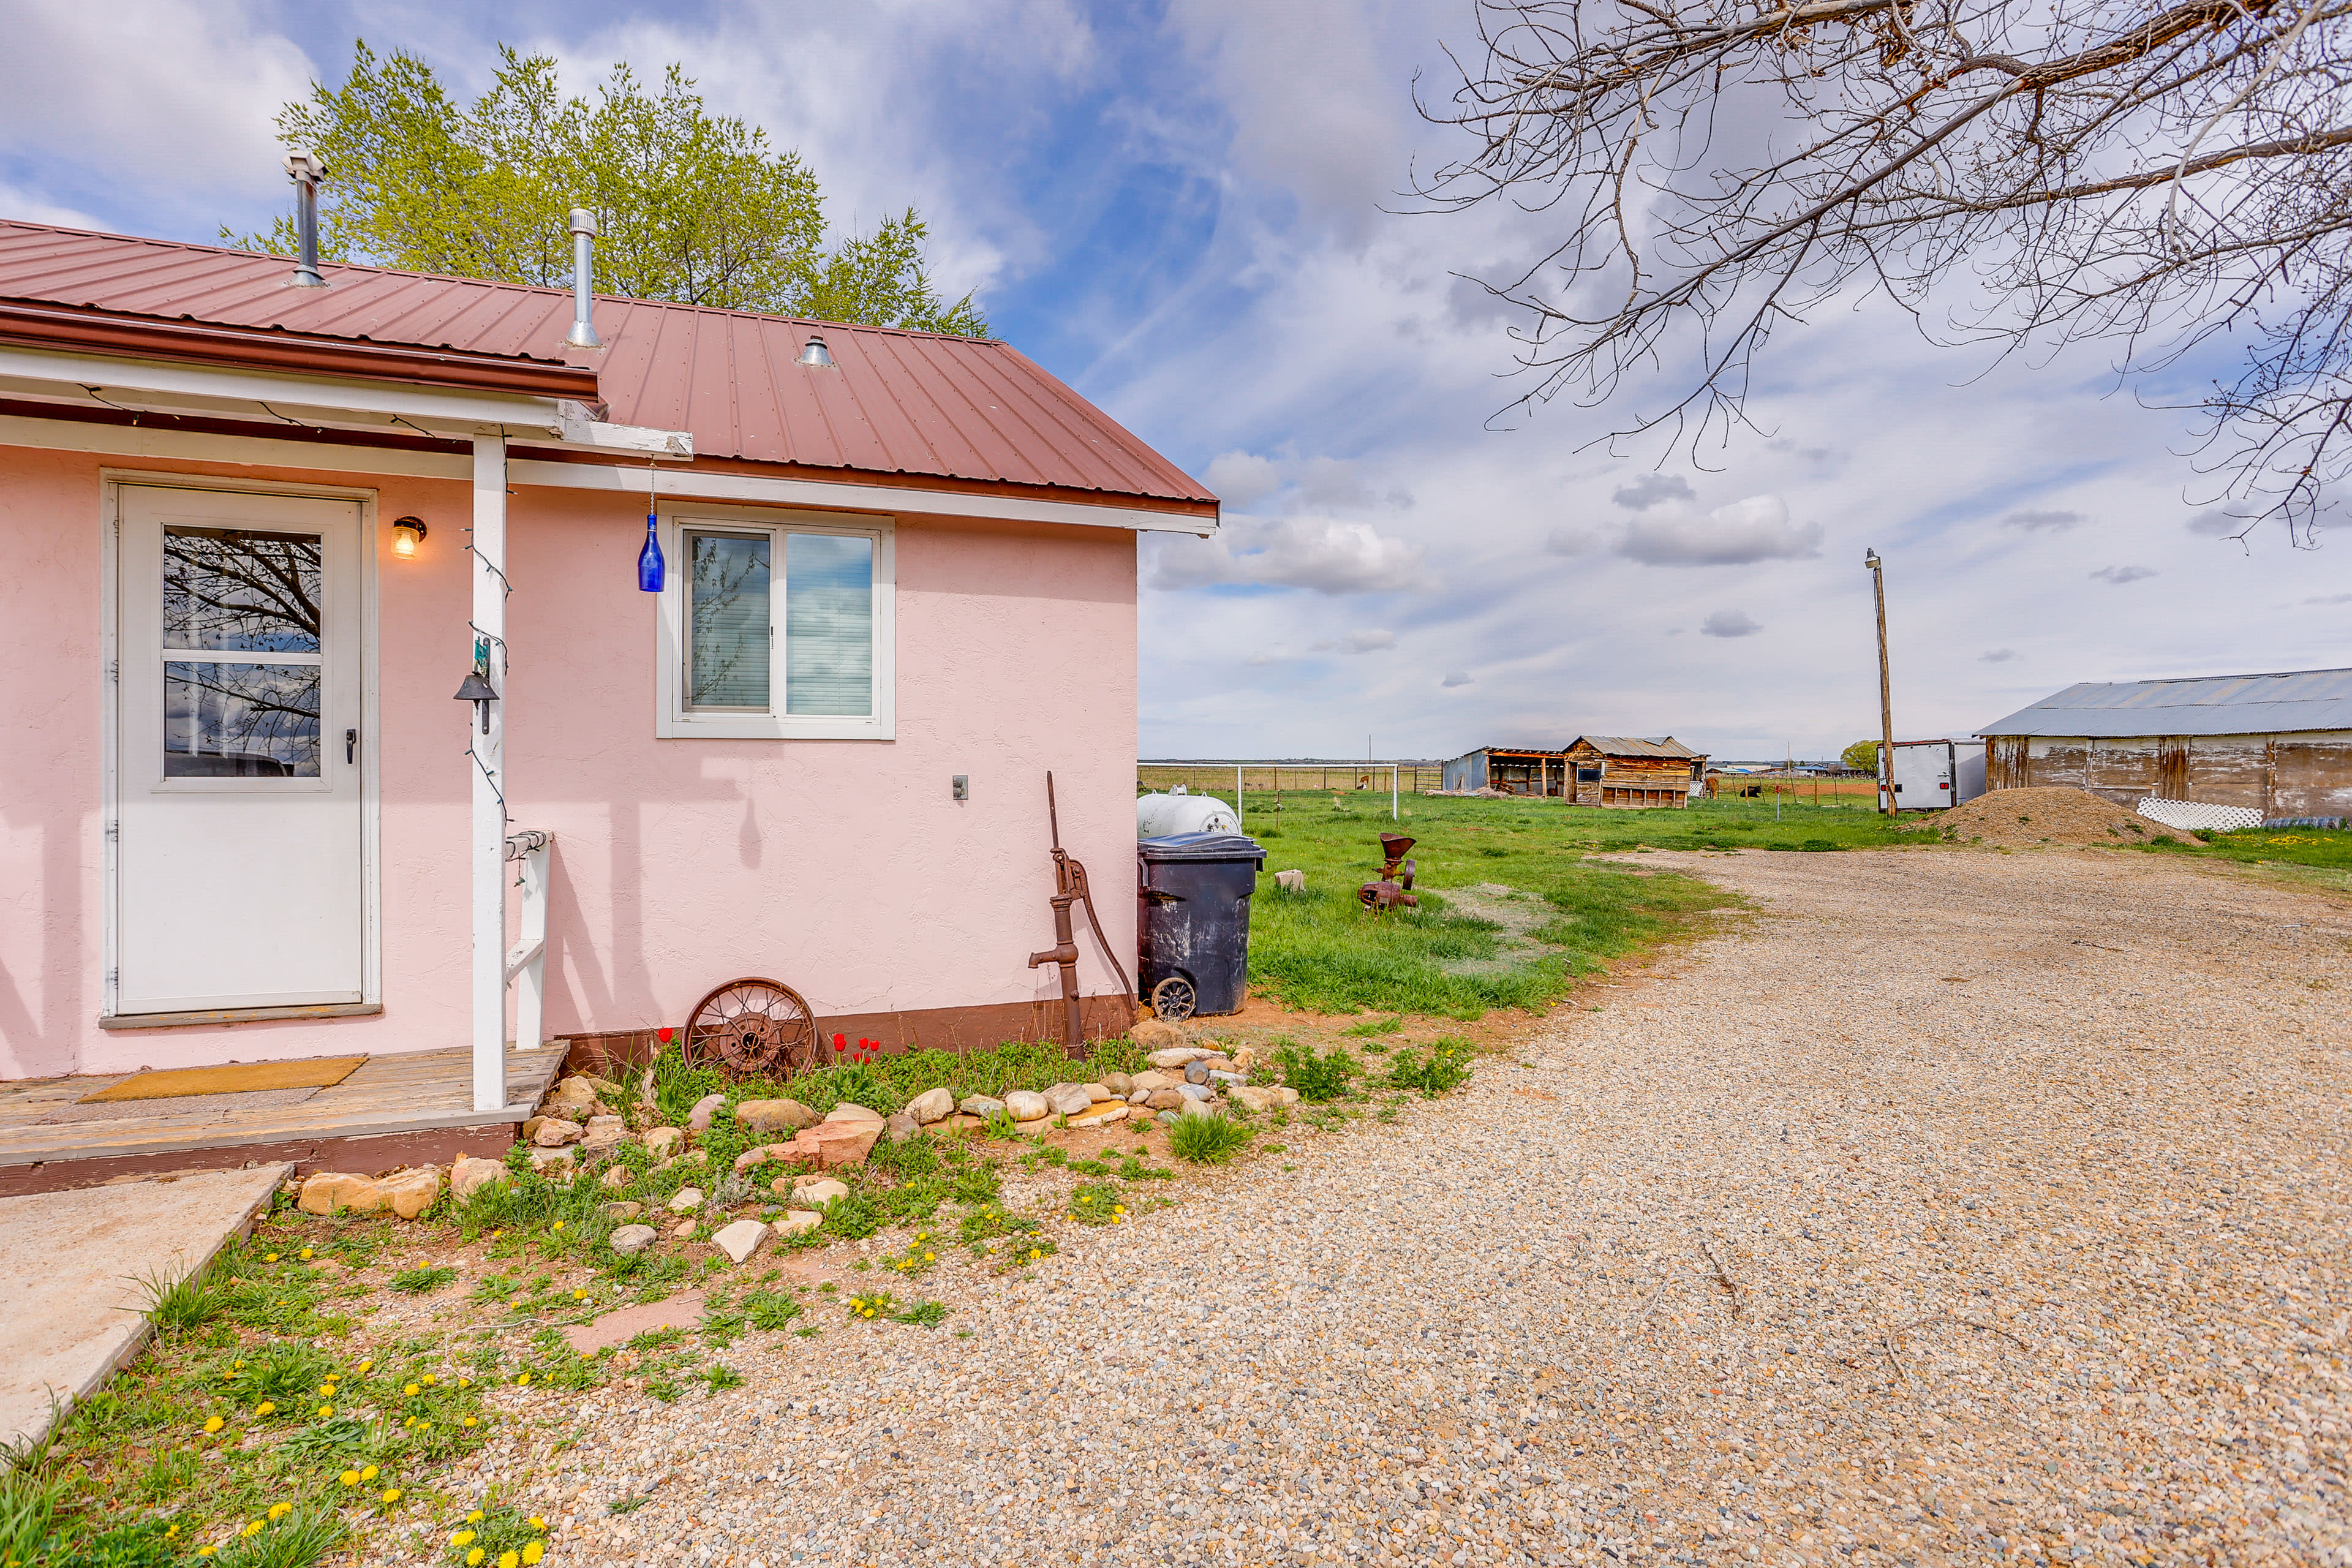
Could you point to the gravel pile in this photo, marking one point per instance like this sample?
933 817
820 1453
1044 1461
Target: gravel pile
2027 818
1958 1208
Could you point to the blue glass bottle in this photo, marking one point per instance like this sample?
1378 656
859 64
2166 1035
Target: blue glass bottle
649 559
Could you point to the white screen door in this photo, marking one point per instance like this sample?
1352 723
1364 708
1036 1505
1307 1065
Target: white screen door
239 881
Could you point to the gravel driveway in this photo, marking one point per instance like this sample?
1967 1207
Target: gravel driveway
1957 1204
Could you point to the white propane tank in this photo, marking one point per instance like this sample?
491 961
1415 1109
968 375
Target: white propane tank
1161 816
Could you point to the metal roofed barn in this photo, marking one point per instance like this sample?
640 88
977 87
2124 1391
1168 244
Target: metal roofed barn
2280 744
1630 771
1507 770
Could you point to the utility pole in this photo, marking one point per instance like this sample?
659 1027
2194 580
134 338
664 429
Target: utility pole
1886 688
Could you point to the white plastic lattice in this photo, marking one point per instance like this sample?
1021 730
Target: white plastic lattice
2189 815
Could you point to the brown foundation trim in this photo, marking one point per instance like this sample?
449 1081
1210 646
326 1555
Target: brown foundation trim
929 1029
368 1156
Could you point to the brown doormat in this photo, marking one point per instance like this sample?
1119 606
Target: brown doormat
320 1072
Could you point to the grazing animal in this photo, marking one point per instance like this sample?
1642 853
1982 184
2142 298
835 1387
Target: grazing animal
1291 881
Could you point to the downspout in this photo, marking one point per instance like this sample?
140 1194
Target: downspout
488 838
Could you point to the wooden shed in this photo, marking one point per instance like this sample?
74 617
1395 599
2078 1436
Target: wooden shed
1513 770
1628 771
2281 744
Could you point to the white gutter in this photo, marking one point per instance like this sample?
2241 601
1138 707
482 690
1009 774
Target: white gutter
262 450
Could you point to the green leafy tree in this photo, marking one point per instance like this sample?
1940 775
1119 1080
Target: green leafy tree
694 207
1862 756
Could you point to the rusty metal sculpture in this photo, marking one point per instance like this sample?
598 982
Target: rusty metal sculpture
754 1027
1395 887
1070 887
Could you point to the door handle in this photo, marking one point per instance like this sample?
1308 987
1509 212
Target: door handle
350 745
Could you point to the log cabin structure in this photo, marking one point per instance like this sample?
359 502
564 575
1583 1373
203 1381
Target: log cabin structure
1510 769
2281 744
1628 771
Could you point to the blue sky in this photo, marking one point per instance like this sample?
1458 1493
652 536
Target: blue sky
1178 208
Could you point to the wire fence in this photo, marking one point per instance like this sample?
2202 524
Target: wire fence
1259 778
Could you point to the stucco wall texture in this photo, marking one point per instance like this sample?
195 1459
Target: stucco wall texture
844 868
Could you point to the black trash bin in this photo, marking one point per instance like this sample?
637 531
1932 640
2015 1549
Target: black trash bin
1192 929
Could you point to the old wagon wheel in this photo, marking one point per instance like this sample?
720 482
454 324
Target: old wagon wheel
752 1027
1173 1000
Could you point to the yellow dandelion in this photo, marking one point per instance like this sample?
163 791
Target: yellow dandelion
214 1425
278 1510
515 1302
559 1225
350 1477
536 1522
328 1388
462 1538
306 1252
392 1494
271 1259
580 1295
206 1551
368 1473
532 1551
325 1411
431 1378
472 1421
509 1558
475 1517
171 1532
267 1407
252 1529
1119 1208
463 1382
474 1558
410 1391
931 1257
366 1365
524 1381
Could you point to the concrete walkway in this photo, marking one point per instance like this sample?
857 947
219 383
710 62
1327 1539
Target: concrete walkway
73 1267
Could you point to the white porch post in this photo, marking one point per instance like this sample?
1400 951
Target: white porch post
488 836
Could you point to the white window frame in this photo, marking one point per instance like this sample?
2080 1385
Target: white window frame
673 721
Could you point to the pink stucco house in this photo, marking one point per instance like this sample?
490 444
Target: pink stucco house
259 531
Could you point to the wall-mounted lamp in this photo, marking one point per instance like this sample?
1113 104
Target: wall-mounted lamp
407 533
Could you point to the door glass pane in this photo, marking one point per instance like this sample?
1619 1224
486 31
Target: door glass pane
238 590
240 720
727 598
829 625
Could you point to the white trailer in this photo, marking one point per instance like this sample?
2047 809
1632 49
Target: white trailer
1926 776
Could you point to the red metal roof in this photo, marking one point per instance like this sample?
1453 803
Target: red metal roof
897 402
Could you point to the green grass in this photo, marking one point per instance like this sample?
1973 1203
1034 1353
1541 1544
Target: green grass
1211 1140
1320 949
1446 1068
2326 848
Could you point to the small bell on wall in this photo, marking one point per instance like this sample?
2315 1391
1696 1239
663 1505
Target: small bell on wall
649 559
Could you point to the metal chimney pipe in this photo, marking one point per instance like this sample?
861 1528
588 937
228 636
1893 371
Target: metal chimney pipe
583 248
306 170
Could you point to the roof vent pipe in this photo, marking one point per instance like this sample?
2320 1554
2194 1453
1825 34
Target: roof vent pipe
815 355
306 170
583 250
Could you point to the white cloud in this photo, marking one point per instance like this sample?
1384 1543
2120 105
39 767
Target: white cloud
163 97
1456 677
1651 490
23 205
1322 554
1756 529
1372 640
1998 656
1242 479
1569 542
1728 623
2044 522
2117 576
2216 522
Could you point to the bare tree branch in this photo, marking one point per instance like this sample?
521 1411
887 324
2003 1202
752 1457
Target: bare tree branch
1716 171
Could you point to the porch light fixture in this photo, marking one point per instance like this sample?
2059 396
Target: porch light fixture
407 533
815 355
